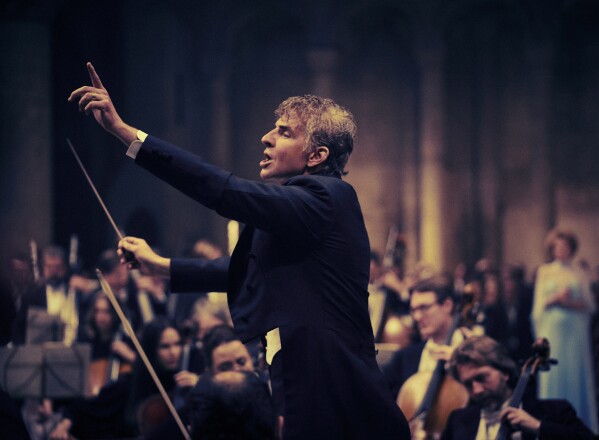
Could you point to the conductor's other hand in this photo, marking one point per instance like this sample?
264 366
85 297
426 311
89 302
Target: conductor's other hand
150 263
95 99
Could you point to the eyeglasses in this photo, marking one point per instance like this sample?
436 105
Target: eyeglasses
422 308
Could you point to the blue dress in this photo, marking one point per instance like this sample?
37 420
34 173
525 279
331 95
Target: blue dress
568 332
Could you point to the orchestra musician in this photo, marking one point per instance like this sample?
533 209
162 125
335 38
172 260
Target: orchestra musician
112 352
429 395
489 374
59 294
432 305
114 412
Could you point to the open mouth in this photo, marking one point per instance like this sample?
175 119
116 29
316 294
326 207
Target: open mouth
266 161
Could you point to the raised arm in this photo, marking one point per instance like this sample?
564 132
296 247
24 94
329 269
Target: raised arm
95 99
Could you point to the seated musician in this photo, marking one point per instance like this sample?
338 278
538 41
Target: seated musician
111 349
431 306
115 411
59 293
233 404
223 351
127 290
489 375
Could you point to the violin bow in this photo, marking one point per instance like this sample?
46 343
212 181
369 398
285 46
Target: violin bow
127 326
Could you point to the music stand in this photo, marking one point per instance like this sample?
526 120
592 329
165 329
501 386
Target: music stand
66 369
45 370
43 327
21 370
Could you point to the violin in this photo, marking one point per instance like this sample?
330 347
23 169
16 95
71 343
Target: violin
153 412
104 371
427 398
538 361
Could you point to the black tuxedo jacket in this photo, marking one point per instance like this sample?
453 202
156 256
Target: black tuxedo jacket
301 264
558 422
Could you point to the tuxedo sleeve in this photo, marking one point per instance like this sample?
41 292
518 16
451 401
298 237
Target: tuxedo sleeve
197 275
301 208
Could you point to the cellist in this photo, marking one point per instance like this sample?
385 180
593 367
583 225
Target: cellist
427 394
489 374
432 304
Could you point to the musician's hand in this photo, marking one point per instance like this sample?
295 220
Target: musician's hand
123 350
520 419
61 431
150 262
186 379
153 285
83 284
95 99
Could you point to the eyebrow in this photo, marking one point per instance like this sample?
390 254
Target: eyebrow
285 127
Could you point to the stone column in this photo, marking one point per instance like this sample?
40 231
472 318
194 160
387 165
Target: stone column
432 233
323 63
26 136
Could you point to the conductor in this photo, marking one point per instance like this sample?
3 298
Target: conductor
298 276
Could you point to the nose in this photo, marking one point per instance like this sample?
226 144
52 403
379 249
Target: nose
477 388
267 139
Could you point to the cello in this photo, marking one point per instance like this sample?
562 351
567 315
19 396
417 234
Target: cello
538 361
427 398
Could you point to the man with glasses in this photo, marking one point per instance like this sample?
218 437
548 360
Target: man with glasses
431 307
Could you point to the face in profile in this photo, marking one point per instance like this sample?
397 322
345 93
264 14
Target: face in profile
231 356
284 155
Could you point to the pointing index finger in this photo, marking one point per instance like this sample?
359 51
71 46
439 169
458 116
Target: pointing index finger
94 76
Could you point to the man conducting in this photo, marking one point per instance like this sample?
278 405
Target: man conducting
298 276
490 376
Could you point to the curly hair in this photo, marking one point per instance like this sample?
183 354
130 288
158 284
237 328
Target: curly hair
325 123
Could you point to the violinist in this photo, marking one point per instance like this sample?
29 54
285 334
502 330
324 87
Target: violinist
432 306
128 290
223 352
54 296
110 349
114 412
489 374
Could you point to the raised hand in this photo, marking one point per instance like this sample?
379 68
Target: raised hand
96 100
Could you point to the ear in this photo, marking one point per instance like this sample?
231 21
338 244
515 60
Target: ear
318 156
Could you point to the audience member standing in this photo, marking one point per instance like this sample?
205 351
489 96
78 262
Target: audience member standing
562 309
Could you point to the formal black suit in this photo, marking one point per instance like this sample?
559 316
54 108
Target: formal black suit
558 422
301 264
402 365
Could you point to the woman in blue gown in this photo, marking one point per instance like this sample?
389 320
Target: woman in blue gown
562 311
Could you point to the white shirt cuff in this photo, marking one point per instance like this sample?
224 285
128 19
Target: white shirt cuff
136 145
